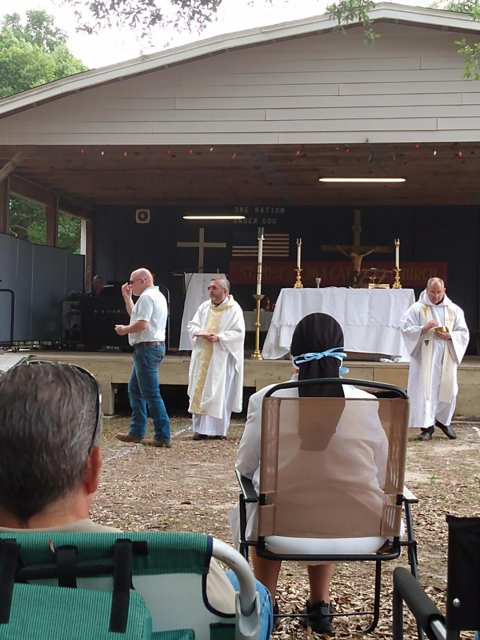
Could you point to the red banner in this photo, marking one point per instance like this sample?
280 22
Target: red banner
336 274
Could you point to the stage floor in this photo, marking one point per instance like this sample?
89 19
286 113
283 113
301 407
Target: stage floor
113 367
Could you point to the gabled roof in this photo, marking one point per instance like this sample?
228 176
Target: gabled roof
383 12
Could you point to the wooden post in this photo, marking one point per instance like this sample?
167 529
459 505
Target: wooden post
87 250
4 205
52 224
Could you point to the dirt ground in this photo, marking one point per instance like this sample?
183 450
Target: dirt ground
192 487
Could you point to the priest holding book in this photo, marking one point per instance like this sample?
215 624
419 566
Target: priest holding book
215 387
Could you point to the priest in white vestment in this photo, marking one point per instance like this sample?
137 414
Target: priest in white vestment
436 336
215 385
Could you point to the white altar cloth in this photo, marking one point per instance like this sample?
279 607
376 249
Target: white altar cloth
369 318
196 286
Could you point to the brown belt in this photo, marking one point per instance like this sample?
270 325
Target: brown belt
148 344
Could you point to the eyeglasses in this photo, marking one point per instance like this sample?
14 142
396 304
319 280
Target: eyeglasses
210 288
137 280
98 401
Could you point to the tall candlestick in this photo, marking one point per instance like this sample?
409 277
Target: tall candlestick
299 253
397 253
259 261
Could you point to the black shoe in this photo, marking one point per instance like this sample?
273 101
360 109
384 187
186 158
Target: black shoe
426 434
220 437
317 617
447 430
199 436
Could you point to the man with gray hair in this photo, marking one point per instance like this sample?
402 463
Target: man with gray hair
436 336
50 459
217 335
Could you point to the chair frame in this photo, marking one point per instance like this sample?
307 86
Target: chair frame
462 569
248 495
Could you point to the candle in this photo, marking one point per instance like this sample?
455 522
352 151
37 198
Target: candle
299 252
397 253
259 261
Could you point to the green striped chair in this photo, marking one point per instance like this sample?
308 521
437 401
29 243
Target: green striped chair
119 586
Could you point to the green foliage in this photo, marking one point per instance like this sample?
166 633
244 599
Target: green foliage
33 53
28 222
144 14
346 12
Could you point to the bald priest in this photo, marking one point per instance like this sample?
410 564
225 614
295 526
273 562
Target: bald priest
436 336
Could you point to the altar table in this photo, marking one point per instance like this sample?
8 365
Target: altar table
369 318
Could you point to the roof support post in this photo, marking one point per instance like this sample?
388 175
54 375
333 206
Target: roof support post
52 223
87 250
4 205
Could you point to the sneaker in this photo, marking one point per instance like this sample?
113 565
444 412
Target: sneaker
317 617
151 442
127 437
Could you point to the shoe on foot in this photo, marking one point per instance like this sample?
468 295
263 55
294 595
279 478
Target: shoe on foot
127 437
426 434
151 442
199 436
447 430
220 437
317 617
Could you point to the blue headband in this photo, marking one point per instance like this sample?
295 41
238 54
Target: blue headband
336 352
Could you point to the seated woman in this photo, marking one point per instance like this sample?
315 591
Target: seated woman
315 347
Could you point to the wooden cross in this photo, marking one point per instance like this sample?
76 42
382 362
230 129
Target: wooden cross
201 244
356 251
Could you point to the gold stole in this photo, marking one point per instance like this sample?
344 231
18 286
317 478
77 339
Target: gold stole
448 366
213 325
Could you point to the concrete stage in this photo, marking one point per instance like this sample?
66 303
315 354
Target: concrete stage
112 368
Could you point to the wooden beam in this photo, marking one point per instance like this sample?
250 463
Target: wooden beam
4 205
17 159
52 224
36 193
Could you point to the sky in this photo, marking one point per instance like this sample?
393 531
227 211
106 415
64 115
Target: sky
115 45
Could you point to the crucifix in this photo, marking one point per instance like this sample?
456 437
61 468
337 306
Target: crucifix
201 244
356 251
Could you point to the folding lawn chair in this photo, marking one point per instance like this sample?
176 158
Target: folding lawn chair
79 585
332 479
463 588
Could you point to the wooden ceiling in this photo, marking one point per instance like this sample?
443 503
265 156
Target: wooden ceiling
436 174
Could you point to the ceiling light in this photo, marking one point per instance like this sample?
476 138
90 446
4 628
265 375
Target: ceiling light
361 179
214 217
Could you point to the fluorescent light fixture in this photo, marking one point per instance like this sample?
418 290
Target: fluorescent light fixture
214 217
361 180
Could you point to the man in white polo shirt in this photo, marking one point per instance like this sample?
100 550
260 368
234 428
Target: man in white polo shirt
146 333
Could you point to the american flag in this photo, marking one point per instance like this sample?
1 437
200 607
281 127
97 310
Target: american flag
275 245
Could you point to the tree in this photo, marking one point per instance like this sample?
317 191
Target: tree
32 54
145 14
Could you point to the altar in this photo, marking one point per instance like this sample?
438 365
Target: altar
369 318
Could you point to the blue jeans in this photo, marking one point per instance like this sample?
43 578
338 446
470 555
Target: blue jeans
266 609
144 391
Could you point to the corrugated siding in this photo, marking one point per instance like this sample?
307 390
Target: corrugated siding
327 88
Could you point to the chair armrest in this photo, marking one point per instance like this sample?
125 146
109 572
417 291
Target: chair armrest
246 485
408 496
423 609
